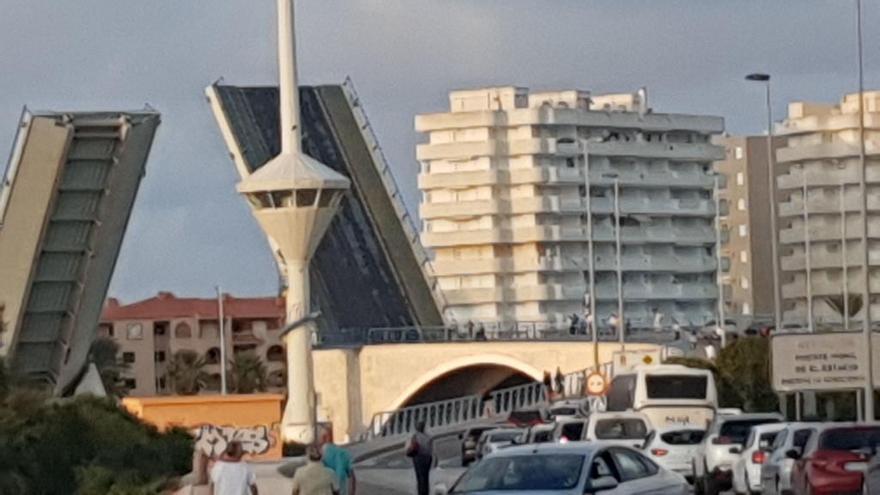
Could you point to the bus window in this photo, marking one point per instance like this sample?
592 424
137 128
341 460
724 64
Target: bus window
622 393
676 386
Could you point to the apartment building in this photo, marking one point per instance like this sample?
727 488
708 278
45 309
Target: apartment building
504 206
819 176
747 265
149 332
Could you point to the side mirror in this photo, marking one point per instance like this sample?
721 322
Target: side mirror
735 450
602 484
440 489
793 454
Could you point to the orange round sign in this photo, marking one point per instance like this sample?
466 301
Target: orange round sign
596 384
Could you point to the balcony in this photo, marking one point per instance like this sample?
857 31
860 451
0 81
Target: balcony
837 150
454 180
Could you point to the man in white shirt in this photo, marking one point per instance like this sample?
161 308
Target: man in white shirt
230 475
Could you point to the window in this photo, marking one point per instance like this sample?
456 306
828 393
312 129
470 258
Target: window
631 465
128 357
743 256
213 356
743 230
621 429
538 473
747 309
573 431
130 383
182 331
741 204
275 354
160 328
135 331
683 437
800 438
162 382
159 356
744 283
780 440
738 153
740 179
676 386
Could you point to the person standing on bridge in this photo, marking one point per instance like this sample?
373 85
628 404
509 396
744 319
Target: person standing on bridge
421 449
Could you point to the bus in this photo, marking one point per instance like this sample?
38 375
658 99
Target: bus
670 395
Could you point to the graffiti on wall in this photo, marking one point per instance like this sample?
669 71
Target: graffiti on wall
212 439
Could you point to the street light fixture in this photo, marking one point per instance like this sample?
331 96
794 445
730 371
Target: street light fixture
771 179
621 320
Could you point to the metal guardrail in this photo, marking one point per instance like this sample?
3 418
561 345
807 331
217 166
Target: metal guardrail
393 190
517 331
470 408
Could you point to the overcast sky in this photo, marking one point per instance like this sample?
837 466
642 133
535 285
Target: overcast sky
190 230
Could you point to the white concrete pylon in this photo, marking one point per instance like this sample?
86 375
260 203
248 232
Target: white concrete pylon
294 198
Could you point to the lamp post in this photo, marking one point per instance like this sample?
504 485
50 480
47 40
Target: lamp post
221 320
808 251
771 180
843 260
863 207
591 276
716 193
621 320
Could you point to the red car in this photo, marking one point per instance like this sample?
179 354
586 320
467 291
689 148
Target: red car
834 459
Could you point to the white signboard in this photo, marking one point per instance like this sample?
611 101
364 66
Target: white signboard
628 360
829 361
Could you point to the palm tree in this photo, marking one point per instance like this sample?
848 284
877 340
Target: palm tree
186 372
249 373
836 303
104 353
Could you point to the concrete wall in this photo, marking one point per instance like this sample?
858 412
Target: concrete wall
355 384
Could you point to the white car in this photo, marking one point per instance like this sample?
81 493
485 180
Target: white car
753 454
674 448
713 464
492 440
776 471
622 428
575 468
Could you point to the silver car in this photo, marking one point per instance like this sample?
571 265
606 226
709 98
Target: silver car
776 470
575 468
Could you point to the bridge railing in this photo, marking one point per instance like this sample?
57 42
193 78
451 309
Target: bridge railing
456 411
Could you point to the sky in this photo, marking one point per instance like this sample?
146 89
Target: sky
190 231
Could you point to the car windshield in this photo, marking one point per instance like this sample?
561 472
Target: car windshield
737 430
621 429
850 439
683 437
522 473
676 386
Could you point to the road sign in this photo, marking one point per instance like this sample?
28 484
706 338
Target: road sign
818 361
597 384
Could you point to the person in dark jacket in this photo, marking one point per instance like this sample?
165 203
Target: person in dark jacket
420 448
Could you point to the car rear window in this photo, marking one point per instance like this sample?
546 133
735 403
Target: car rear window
573 431
676 386
621 429
850 438
504 436
737 430
683 437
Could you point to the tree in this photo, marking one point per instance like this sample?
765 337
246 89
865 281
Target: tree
854 304
249 373
104 353
186 372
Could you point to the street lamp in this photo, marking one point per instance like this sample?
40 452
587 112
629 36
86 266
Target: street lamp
771 179
591 276
720 323
863 206
621 320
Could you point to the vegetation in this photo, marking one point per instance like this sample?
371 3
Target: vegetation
249 373
86 445
104 353
742 374
186 372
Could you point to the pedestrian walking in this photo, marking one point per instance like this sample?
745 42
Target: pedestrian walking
232 476
314 478
339 461
421 449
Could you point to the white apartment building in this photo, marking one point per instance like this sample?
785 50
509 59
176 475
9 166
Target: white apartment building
504 206
821 159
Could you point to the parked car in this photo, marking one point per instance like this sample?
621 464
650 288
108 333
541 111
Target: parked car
570 430
776 471
540 433
469 439
675 448
575 468
713 464
834 460
624 428
492 440
528 417
752 455
871 482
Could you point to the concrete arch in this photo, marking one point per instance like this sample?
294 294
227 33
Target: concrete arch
447 367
